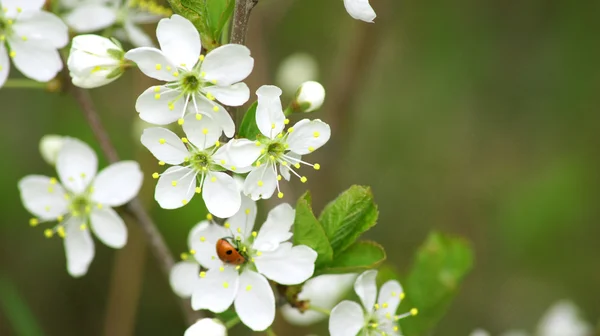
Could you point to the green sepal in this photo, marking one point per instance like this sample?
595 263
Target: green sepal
117 54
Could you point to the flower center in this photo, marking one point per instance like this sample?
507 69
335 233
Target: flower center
190 83
5 27
201 161
276 148
80 205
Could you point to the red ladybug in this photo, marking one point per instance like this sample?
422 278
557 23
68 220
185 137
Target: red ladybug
229 254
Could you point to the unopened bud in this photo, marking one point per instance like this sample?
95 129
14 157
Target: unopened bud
309 97
50 145
95 61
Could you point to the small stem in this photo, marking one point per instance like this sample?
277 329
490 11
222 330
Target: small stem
23 83
320 310
231 323
270 332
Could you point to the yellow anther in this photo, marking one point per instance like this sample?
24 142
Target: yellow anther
83 227
19 9
50 189
238 267
227 225
395 328
12 54
59 219
278 177
259 253
388 316
284 163
48 233
286 121
221 269
238 238
202 239
213 179
184 140
414 311
232 168
174 183
169 68
88 209
316 134
155 175
61 231
222 162
24 38
280 195
239 230
183 256
175 74
202 274
290 130
161 163
198 116
271 157
280 135
262 151
157 96
374 325
225 284
53 180
244 249
157 89
180 121
251 259
273 126
297 165
384 305
99 205
260 183
311 149
217 143
201 58
205 131
209 216
158 66
377 306
247 211
254 233
402 296
203 74
257 143
183 64
303 179
184 202
192 252
258 163
248 288
34 222
210 96
204 169
214 81
198 190
171 106
216 108
317 166
162 141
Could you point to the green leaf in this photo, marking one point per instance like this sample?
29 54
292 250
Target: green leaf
248 127
16 310
308 231
359 257
197 13
441 264
219 12
348 216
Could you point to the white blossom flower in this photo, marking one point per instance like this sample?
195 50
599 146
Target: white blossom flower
277 153
377 316
194 81
50 146
30 37
309 97
266 255
95 61
360 10
206 327
94 15
199 162
322 292
562 319
81 199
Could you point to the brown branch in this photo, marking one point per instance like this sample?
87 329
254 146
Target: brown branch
241 15
155 240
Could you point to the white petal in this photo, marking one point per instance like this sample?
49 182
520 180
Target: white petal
261 182
118 183
204 242
221 195
285 170
562 319
366 289
228 64
137 36
42 26
79 247
233 95
287 265
4 65
360 10
479 332
216 290
221 116
42 198
171 151
237 153
203 133
323 291
153 63
13 6
308 135
109 227
346 319
91 17
389 297
35 59
160 108
206 327
76 165
50 145
179 40
269 112
184 277
175 187
276 228
243 220
255 302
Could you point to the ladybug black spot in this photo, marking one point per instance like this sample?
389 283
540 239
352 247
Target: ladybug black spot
229 252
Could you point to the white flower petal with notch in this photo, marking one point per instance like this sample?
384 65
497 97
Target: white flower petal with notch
160 107
14 7
216 290
221 195
360 10
346 319
41 26
202 133
366 289
76 165
308 136
389 298
109 227
179 41
183 278
206 327
175 187
79 247
91 17
233 95
238 153
118 183
204 243
244 219
255 302
165 145
35 59
223 119
287 265
261 182
42 198
276 228
228 64
269 111
153 63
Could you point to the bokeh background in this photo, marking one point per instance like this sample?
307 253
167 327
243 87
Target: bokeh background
474 118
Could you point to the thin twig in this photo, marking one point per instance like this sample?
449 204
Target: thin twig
135 208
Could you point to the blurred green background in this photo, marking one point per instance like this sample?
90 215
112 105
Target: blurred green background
473 118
